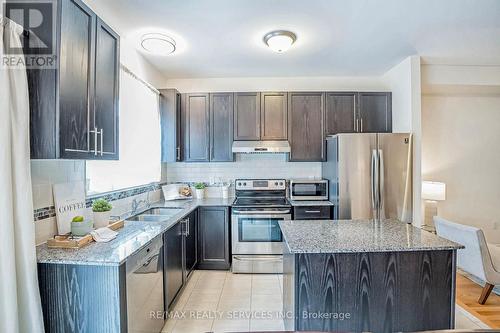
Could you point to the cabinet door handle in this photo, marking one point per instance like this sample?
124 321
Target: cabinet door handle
313 211
178 153
187 227
96 133
357 124
361 124
102 141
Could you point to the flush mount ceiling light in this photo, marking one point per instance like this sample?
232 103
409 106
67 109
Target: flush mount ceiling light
158 44
280 40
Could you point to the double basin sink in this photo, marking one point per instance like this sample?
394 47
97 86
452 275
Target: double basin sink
156 214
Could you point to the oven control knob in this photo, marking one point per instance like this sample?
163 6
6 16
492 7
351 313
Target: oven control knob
276 184
244 184
239 184
281 183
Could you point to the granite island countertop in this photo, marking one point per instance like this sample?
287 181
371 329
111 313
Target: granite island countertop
131 238
352 236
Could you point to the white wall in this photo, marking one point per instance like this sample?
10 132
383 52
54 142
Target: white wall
452 79
129 56
461 134
404 80
276 84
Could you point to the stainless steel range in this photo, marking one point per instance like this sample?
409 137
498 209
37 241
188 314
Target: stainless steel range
256 236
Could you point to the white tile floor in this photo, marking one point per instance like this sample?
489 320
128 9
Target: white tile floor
219 301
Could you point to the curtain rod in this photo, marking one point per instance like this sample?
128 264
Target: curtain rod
148 85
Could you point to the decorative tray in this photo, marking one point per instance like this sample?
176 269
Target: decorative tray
71 242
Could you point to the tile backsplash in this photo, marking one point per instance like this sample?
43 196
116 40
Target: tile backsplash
45 173
245 166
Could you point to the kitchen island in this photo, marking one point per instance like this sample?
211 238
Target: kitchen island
364 275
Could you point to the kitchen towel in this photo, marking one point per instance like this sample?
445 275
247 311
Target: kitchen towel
103 234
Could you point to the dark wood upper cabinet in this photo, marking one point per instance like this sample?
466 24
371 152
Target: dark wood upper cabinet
170 121
74 107
353 112
196 127
375 112
306 112
273 118
107 78
341 113
77 136
213 238
221 127
210 122
247 116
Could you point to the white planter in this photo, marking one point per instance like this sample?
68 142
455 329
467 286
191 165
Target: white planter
80 229
101 219
200 194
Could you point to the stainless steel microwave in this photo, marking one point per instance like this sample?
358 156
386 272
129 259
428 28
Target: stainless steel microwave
308 189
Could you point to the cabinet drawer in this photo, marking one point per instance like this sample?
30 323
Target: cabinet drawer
312 212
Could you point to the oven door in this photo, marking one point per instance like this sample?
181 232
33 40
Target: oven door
257 232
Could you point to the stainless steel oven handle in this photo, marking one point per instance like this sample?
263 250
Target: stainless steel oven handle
261 212
266 216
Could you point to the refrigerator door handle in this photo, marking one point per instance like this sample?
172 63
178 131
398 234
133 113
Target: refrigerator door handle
374 179
381 182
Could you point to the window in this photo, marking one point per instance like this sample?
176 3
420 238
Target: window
140 151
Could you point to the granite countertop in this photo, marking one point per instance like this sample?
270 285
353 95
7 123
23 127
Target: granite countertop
351 236
131 238
311 203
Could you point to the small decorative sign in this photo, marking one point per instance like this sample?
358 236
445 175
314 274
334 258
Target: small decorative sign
69 200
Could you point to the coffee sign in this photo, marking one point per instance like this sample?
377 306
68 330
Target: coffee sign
69 200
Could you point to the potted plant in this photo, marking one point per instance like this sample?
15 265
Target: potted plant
102 213
80 227
200 190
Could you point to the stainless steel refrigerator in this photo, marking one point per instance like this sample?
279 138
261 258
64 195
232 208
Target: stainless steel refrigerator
370 175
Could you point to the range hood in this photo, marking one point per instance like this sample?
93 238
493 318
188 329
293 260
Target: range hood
253 147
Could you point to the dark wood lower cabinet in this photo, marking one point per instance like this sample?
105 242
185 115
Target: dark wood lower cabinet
312 212
83 298
213 238
191 242
174 263
376 292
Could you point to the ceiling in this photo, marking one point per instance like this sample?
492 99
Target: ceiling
223 38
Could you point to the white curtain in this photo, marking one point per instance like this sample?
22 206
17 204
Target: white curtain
20 309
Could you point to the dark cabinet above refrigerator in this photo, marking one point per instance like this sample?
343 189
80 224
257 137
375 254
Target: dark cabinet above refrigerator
358 112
